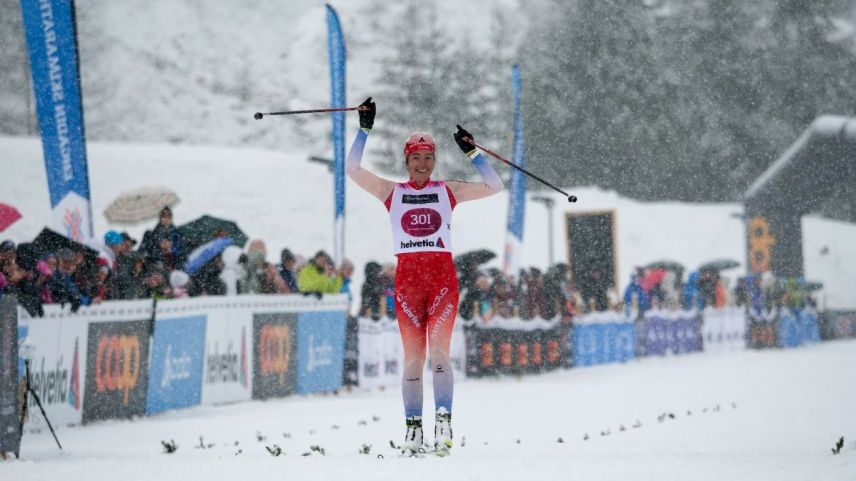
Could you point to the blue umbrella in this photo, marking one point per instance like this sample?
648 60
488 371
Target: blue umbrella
205 253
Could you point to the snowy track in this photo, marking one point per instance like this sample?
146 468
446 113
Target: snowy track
791 407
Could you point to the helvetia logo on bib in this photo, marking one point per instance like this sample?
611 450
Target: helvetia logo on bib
423 243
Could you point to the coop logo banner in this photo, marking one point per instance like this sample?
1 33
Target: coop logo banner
52 44
320 351
274 359
178 351
117 368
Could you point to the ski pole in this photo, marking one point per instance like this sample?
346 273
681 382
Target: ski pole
260 115
571 198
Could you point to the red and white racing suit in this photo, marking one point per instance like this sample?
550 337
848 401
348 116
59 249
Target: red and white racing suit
426 286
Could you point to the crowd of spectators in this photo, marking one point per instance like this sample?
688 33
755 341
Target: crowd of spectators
122 270
156 269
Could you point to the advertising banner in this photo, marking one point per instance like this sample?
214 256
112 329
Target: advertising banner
838 324
274 354
513 347
178 350
56 349
228 354
603 337
516 187
381 355
320 351
762 330
10 433
724 329
797 327
117 370
337 57
675 332
52 44
370 353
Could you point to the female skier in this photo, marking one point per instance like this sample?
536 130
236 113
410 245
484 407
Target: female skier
426 287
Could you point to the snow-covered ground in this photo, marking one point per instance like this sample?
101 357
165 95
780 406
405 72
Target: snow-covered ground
287 201
768 415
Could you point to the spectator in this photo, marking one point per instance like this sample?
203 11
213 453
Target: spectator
371 295
63 288
154 245
477 300
45 273
286 270
504 295
556 292
262 277
234 274
206 281
178 281
319 277
533 299
346 270
137 280
100 292
129 242
635 297
18 268
692 295
120 284
388 282
669 288
594 290
161 257
707 283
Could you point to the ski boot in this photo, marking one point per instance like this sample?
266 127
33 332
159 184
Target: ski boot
442 432
413 437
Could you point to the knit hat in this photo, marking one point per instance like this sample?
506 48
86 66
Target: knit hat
178 279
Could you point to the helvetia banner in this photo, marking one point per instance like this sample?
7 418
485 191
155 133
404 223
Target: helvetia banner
336 53
52 43
10 434
56 348
117 370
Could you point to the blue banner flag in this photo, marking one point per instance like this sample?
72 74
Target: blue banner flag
517 187
336 52
52 42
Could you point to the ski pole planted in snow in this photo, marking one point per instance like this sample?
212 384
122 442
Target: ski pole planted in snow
571 198
260 115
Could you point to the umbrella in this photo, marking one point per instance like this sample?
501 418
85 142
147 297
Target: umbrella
719 265
652 278
476 257
668 265
49 242
139 205
199 231
204 253
8 216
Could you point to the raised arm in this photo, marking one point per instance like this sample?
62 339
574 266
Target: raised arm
491 182
374 185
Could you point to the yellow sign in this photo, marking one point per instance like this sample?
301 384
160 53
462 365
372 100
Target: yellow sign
760 243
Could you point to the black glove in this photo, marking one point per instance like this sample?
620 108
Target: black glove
465 140
367 112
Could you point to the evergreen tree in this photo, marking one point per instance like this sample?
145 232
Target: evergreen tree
428 82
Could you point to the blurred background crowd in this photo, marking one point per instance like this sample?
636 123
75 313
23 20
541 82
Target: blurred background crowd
207 257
